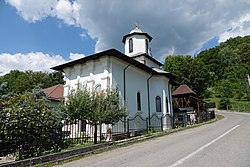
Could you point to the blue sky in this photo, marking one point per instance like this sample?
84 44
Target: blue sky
40 34
50 35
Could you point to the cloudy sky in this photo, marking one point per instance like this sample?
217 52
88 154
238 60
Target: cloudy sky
39 34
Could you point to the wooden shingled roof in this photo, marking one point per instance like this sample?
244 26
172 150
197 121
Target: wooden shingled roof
183 90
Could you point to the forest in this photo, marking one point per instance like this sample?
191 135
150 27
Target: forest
18 82
218 74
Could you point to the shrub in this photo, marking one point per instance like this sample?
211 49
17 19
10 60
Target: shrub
224 103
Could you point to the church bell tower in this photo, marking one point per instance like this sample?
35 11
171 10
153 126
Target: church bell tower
137 42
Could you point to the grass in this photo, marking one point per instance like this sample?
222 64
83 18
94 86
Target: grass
74 146
236 105
160 134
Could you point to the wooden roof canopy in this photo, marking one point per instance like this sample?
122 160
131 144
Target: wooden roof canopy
184 90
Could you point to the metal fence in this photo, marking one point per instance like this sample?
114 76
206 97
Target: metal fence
77 132
32 140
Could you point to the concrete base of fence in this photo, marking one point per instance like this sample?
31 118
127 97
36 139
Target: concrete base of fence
60 156
6 159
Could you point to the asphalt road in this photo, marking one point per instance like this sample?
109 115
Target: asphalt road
225 143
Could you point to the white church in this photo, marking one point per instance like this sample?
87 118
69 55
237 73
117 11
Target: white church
137 76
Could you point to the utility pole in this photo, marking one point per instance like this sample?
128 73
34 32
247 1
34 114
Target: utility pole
248 78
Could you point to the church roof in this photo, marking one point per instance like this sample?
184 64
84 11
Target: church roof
54 92
149 57
183 90
136 31
114 53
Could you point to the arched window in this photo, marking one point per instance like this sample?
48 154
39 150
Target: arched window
158 103
130 45
167 104
146 45
98 87
138 101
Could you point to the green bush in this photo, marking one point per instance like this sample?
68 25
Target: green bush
28 127
224 103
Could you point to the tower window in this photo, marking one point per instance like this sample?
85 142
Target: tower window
146 45
130 45
138 101
158 103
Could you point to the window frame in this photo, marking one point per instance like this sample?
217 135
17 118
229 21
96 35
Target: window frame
146 45
130 45
158 106
138 100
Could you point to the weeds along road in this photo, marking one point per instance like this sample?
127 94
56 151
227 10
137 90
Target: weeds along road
225 143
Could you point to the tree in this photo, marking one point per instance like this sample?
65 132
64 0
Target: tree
28 127
224 103
189 71
199 77
180 66
78 105
224 89
19 82
95 107
3 90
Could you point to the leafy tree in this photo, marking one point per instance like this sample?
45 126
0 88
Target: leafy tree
28 127
243 50
94 107
199 77
220 71
3 90
224 89
180 66
78 105
189 71
224 103
19 82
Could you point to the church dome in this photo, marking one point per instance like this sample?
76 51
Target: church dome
136 30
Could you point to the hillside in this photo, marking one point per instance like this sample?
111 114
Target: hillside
218 73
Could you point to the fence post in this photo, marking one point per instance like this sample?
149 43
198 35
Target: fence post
147 124
100 129
127 128
161 123
59 128
95 133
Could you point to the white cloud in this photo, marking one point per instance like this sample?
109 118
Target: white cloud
239 28
178 27
67 11
32 61
33 11
74 56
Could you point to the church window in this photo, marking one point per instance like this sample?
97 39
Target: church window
72 91
138 101
98 87
167 104
158 103
130 45
146 46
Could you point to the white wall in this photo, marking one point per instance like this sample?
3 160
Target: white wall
138 45
89 74
159 87
136 81
109 72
